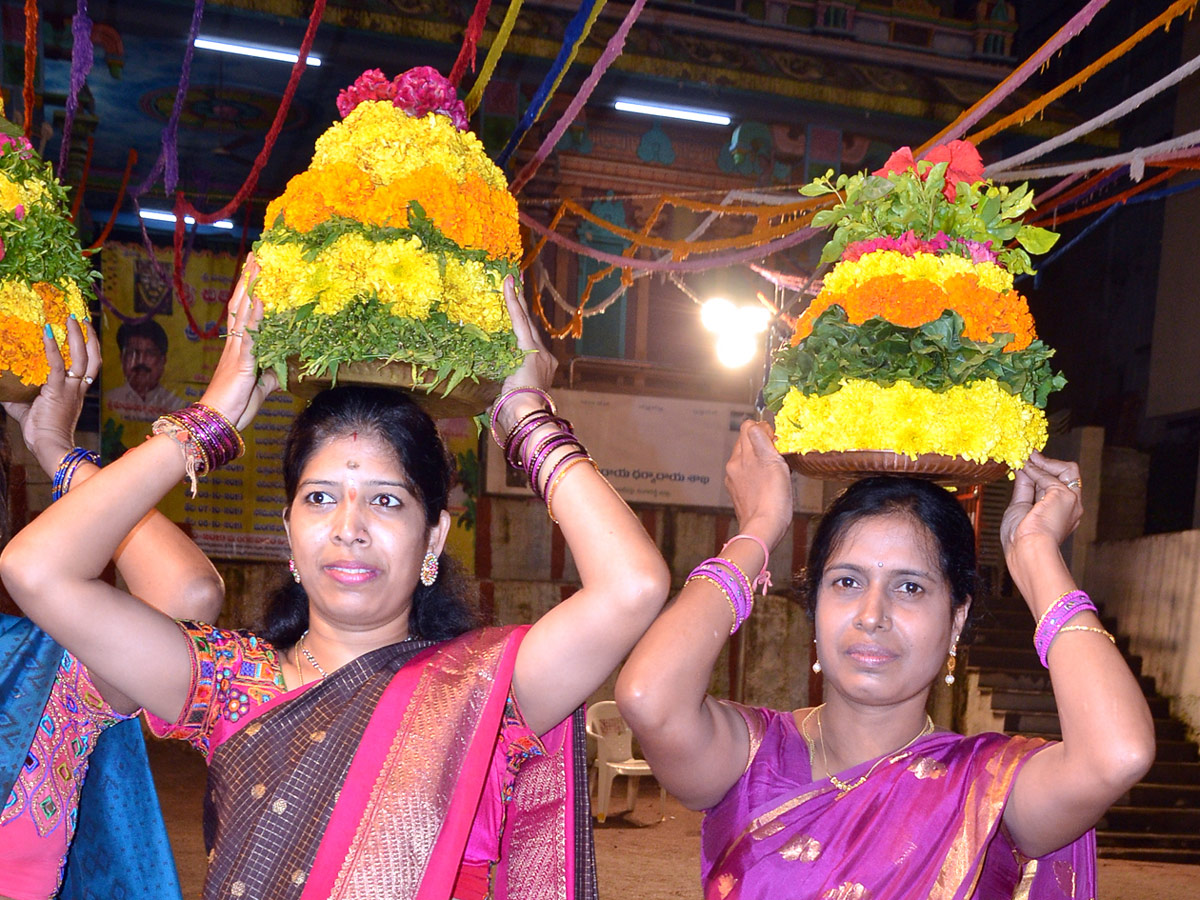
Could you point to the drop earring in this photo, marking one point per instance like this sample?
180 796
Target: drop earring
293 570
950 663
816 666
429 569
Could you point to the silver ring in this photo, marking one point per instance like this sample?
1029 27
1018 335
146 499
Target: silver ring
232 333
1075 483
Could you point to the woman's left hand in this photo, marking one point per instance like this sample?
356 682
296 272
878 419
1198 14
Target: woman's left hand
48 421
537 369
237 390
1046 504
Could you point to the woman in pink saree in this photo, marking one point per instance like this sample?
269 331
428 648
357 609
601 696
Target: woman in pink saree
862 797
370 740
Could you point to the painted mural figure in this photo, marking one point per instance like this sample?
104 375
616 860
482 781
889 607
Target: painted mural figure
370 712
862 796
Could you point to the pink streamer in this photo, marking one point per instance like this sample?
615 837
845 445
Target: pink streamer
712 261
1079 21
612 50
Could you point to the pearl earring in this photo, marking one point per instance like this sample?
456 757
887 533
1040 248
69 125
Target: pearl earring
816 666
950 663
293 570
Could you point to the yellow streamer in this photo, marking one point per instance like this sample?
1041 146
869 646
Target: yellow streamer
493 57
1028 112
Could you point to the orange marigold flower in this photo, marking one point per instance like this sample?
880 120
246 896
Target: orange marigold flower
317 194
22 351
911 303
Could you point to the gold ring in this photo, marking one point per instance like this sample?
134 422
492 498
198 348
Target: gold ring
232 333
1075 483
73 375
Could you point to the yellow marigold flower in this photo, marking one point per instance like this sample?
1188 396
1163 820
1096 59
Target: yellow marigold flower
474 295
388 144
25 193
919 267
20 301
978 421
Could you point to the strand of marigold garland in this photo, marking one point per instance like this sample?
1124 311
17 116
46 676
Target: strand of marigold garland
31 27
1019 76
466 56
493 57
130 162
1027 112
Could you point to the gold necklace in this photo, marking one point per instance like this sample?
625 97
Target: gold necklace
316 665
842 786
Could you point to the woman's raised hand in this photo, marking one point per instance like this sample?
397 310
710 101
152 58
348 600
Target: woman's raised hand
236 389
48 422
1046 505
760 483
537 369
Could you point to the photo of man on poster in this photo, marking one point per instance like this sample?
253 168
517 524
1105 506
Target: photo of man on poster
142 398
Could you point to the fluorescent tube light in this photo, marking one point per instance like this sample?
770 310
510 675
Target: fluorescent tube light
248 50
155 215
708 116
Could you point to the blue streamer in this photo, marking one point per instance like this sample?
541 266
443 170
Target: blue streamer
534 110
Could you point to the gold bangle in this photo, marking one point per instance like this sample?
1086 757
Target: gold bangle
1088 628
720 587
570 464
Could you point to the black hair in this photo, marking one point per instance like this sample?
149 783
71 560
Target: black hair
440 611
148 329
933 507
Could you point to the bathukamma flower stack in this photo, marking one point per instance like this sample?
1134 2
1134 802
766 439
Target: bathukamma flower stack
394 244
918 343
44 277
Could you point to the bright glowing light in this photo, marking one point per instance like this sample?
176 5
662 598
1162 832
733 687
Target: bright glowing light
258 52
736 348
717 314
707 116
155 215
753 319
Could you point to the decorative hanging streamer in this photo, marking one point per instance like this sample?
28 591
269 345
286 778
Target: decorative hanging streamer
183 208
577 31
466 56
1116 199
1020 75
1028 112
130 162
1080 194
81 64
493 57
1141 155
611 51
31 29
712 261
1118 111
1057 189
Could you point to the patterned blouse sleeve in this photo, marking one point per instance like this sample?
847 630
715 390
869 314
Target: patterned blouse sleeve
231 671
755 724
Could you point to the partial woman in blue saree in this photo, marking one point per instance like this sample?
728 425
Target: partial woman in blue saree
59 835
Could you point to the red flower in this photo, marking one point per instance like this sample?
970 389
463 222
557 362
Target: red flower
964 161
900 161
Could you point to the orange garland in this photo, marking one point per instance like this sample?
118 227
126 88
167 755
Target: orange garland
910 303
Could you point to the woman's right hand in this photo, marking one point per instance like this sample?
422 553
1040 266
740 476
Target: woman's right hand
760 483
536 370
236 389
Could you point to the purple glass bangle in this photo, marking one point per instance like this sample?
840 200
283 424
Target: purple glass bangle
544 450
578 453
524 427
505 397
1055 617
733 582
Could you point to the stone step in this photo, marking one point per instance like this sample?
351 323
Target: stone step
1047 723
1169 796
1021 640
1011 659
1146 840
1151 854
1173 772
1015 700
1151 820
1035 680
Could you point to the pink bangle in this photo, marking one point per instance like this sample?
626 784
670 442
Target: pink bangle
508 395
1065 608
763 578
733 584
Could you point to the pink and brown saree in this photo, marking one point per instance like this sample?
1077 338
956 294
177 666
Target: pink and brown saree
369 783
925 824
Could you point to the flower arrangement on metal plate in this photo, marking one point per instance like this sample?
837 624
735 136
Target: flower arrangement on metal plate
44 277
918 343
394 244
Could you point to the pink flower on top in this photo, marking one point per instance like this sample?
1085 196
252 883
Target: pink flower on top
370 85
423 90
19 212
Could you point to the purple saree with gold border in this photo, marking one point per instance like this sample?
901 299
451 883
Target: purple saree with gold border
927 823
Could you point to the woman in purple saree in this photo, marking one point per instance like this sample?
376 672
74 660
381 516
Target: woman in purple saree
370 740
862 797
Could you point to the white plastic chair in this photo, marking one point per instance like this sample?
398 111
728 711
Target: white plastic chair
614 756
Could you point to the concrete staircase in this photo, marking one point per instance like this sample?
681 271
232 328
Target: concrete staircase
1159 818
